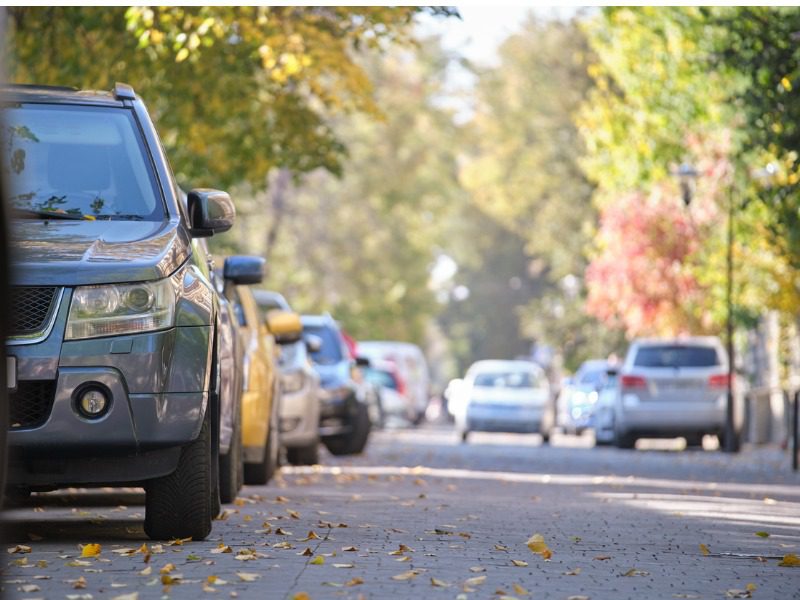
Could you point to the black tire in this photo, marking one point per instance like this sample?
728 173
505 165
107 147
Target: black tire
356 440
694 441
231 466
177 505
261 472
625 441
303 455
737 441
464 436
545 437
214 499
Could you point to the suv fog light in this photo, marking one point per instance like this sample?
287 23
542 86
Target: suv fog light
92 402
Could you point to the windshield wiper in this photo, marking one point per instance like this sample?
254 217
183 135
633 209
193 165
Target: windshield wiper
119 217
30 213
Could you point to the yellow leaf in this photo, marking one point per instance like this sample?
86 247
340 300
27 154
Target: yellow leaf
403 559
518 589
167 568
311 536
80 583
439 583
90 550
634 573
245 576
354 581
19 549
170 580
402 549
301 595
704 550
762 534
222 549
293 513
182 55
787 85
537 545
790 560
750 587
519 563
319 560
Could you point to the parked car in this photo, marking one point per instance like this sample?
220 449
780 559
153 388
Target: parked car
344 411
412 368
674 388
114 336
504 395
300 391
392 403
261 395
579 395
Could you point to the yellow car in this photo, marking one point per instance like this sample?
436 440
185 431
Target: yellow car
261 383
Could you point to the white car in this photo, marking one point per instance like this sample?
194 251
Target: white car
674 388
504 395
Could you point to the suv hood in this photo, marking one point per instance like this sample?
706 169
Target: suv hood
54 252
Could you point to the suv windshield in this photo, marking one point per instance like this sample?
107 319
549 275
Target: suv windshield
512 379
78 161
331 351
672 356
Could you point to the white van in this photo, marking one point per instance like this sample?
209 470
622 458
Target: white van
411 366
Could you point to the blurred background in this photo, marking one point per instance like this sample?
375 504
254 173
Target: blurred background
484 182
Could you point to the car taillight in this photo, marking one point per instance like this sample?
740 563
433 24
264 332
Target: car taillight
401 384
719 381
633 381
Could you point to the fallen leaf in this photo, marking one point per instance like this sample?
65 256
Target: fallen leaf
790 560
307 552
602 557
406 575
354 581
20 562
536 544
704 550
80 583
19 549
403 559
762 534
280 531
343 565
245 576
738 594
750 587
79 563
281 499
477 569
131 596
29 588
167 568
179 541
402 549
170 579
439 583
311 536
222 549
42 564
575 571
148 570
293 513
635 573
501 548
319 560
476 580
518 589
349 549
578 598
519 563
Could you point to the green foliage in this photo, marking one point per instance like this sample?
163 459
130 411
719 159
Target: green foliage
236 91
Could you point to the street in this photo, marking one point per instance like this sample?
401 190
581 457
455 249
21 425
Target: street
421 516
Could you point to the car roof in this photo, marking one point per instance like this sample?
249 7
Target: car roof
698 340
317 321
495 365
48 94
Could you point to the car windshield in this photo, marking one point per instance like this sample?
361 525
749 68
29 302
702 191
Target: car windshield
591 377
380 378
77 162
509 379
675 356
330 352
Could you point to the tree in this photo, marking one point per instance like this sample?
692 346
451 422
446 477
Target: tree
236 91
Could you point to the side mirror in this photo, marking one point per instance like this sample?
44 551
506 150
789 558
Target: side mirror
362 361
285 326
244 270
313 342
210 212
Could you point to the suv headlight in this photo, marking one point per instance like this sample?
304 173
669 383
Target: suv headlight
103 310
292 381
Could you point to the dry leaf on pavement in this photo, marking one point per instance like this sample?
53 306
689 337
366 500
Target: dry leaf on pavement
245 576
537 545
319 560
354 581
790 560
343 565
19 549
407 575
704 550
479 580
635 573
439 583
519 563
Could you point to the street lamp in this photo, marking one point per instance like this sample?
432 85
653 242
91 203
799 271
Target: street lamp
687 177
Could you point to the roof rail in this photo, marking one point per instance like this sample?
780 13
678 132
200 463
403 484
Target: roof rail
122 91
35 86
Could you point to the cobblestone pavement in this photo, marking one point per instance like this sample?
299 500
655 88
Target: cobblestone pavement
422 516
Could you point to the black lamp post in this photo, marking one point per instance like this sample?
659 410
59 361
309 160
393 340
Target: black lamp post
687 176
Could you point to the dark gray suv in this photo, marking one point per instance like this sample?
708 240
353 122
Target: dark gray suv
113 349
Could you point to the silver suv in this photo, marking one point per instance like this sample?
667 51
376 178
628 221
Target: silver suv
673 388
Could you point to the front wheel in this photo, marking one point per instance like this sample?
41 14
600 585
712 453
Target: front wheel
625 441
177 505
304 455
737 441
355 441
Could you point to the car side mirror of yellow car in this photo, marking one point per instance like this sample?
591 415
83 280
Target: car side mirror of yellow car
285 326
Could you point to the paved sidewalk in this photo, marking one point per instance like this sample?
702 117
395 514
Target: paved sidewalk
619 525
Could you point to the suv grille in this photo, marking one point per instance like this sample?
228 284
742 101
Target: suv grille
30 403
31 308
